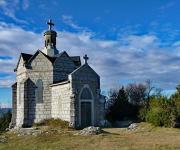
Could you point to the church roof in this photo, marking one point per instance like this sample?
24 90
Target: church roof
14 85
51 59
76 60
28 57
86 65
50 32
65 81
25 56
60 54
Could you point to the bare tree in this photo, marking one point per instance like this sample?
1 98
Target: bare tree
152 90
112 96
136 93
149 88
140 93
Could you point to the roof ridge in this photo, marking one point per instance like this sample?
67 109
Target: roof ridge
27 53
84 65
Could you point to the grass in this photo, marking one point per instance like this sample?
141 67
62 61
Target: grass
53 123
146 137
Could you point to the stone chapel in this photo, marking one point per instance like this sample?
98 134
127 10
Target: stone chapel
52 84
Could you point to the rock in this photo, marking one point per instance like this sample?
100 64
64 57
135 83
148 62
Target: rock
133 127
7 129
90 131
3 139
27 131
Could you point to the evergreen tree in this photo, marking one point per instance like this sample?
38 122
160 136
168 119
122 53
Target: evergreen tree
5 119
119 106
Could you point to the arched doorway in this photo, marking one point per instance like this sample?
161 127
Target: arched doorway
86 107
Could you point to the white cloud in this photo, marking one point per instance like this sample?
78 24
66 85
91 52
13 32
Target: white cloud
5 105
14 40
67 19
134 58
9 9
7 81
3 3
130 58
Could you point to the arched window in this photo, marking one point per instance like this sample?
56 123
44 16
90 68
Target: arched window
48 41
39 91
86 94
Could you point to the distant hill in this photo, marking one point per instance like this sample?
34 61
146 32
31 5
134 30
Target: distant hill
4 110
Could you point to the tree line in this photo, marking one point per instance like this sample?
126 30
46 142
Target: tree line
5 119
144 102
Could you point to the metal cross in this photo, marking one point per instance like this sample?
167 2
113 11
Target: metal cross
86 58
50 24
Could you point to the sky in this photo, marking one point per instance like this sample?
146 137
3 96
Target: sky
127 41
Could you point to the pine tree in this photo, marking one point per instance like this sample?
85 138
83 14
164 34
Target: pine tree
118 109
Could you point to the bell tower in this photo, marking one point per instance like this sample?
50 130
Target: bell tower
50 40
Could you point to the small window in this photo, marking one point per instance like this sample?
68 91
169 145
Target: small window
39 91
86 94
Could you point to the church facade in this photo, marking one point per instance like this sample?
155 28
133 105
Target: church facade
50 84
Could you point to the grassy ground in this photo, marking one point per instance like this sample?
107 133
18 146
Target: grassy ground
146 137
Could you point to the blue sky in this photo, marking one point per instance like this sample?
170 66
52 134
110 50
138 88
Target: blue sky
126 40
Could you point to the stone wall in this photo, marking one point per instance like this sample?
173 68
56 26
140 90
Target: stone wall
14 105
20 78
61 97
41 69
20 104
85 75
21 69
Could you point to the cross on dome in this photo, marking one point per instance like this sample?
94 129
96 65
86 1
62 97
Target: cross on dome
86 58
50 24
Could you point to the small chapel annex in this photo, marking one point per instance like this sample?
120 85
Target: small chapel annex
52 84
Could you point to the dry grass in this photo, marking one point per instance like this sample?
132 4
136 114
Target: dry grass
145 138
53 123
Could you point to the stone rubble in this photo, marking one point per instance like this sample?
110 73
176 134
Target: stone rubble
27 131
3 139
133 127
90 131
